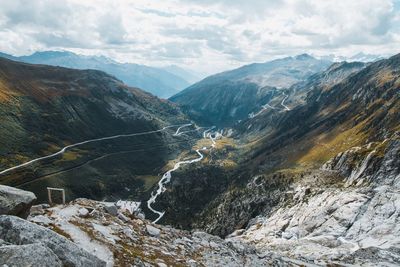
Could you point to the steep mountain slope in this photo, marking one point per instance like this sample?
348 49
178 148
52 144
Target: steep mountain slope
43 109
296 96
154 80
363 107
341 152
225 98
349 119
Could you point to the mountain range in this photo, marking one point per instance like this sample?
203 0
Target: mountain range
162 82
292 162
223 99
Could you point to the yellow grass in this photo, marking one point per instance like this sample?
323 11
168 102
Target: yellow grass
329 145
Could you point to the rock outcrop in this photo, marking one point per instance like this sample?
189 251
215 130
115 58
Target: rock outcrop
353 222
138 242
16 202
34 255
28 237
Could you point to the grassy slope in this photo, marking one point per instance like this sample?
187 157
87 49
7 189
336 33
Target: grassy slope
44 108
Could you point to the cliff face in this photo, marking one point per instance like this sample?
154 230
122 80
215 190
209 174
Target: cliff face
353 221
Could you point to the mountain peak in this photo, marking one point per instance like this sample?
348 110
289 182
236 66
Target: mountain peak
304 56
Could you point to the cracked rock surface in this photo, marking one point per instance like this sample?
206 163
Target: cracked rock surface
356 222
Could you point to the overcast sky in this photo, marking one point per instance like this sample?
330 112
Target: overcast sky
204 35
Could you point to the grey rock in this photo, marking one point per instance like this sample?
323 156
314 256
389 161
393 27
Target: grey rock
41 219
122 217
83 212
356 224
2 242
375 256
18 231
153 231
16 202
140 216
37 210
33 255
111 208
129 233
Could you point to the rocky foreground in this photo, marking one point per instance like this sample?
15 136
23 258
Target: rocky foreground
353 222
91 233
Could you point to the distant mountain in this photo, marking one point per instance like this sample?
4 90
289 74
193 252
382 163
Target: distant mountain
44 108
224 98
157 81
188 75
4 55
362 57
298 96
359 57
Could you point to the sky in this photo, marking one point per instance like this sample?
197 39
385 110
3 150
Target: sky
206 36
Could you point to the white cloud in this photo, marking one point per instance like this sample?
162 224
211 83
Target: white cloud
205 35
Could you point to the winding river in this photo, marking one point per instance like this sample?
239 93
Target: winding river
166 178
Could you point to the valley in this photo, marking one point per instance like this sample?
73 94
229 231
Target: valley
68 106
296 174
200 133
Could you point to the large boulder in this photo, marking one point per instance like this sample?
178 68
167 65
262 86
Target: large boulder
16 202
34 255
17 231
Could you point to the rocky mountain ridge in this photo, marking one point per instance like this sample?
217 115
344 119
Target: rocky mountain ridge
223 99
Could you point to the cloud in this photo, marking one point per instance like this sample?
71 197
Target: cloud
179 50
111 29
208 35
48 14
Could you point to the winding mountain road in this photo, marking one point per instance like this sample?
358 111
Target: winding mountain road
178 133
283 102
89 141
266 106
166 178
